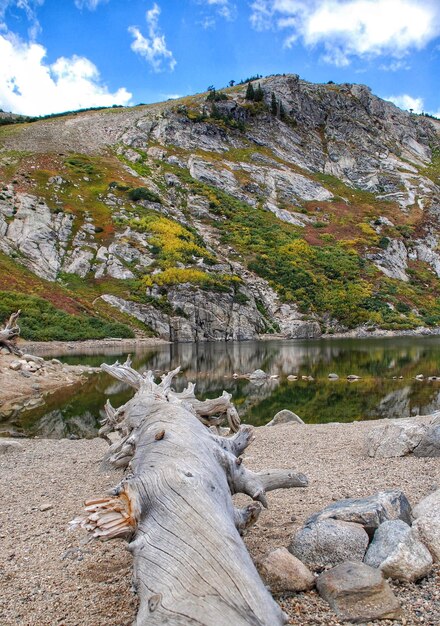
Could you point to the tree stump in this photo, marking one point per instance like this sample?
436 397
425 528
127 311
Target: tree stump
174 506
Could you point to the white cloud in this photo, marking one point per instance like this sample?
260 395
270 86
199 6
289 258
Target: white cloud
409 103
406 102
89 4
153 48
30 86
347 28
29 7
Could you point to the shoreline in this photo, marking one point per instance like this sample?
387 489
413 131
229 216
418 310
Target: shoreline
50 348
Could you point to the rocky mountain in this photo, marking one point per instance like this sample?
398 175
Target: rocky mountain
296 210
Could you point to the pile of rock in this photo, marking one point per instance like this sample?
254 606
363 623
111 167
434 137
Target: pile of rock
405 436
28 363
359 543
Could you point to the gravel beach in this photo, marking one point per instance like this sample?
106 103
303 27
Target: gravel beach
50 576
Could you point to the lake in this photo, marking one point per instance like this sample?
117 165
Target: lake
387 387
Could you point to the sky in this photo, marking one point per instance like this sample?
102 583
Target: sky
58 55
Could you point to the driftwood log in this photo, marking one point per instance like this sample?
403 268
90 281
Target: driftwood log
9 335
174 506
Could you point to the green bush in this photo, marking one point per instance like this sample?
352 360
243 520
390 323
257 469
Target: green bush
142 193
41 321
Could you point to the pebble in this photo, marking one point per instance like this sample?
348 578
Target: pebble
46 507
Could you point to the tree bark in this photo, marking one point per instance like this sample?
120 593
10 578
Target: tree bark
174 505
9 334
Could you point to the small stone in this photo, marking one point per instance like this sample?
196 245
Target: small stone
358 593
333 376
284 572
285 417
419 377
292 377
25 374
258 375
46 507
353 377
397 552
15 365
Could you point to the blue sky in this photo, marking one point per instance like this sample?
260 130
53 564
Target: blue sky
58 55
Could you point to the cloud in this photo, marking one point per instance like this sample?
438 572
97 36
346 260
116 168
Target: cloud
89 4
350 28
153 48
406 102
29 7
409 103
225 8
30 86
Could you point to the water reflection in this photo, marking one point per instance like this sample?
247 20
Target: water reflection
380 393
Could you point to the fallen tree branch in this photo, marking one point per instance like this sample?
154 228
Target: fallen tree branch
174 506
10 333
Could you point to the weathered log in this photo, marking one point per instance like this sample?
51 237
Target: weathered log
174 506
9 334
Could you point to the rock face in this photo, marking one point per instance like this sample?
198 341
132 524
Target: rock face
329 542
369 512
358 593
404 436
397 552
283 572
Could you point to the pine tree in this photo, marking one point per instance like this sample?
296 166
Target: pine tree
250 93
259 94
273 105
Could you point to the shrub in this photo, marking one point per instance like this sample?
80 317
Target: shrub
142 193
41 321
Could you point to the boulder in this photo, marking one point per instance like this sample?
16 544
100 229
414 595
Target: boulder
370 512
7 446
358 593
429 445
394 438
258 375
428 506
427 524
284 572
285 417
329 542
398 553
427 530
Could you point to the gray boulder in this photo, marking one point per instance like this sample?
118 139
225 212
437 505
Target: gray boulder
284 572
394 438
7 446
258 375
429 445
358 593
285 417
397 552
427 524
370 512
329 542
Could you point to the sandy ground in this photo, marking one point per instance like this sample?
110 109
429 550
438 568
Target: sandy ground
49 577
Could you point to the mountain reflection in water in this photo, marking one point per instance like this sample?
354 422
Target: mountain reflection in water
380 392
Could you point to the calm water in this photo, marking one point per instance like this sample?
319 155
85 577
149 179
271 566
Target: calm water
380 393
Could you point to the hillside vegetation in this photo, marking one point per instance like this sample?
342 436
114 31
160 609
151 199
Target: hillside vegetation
223 217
